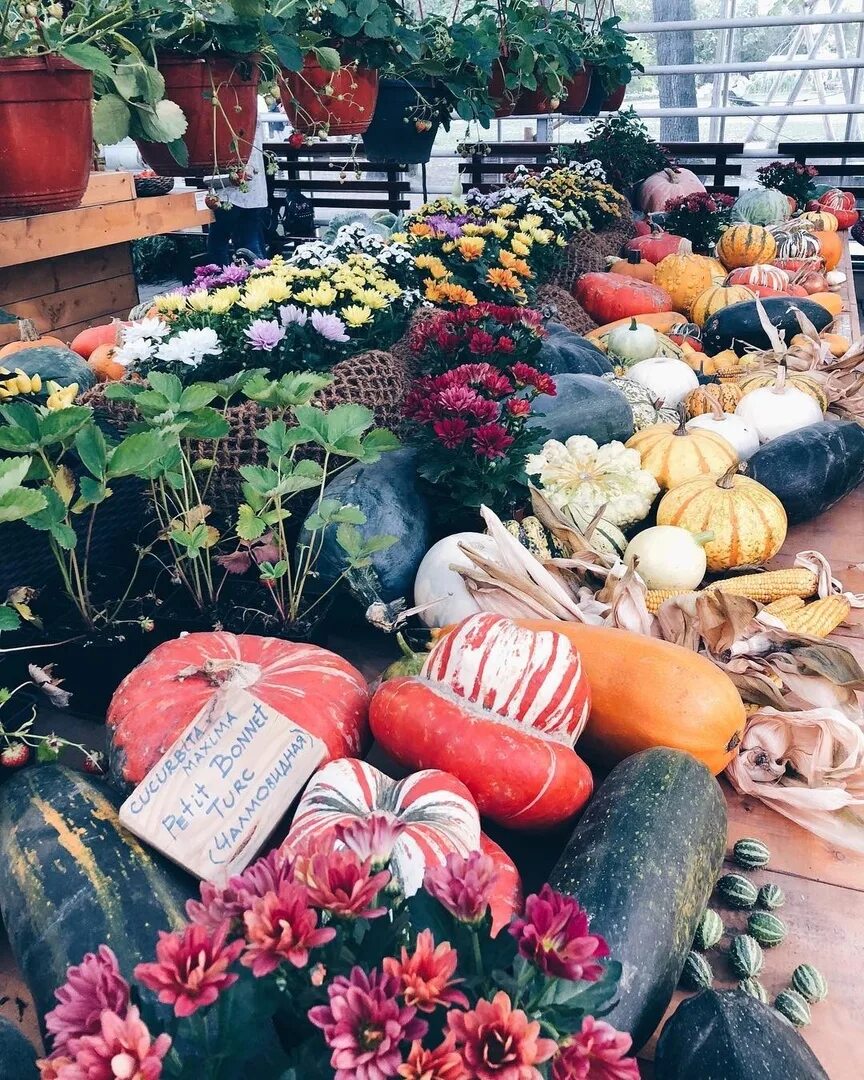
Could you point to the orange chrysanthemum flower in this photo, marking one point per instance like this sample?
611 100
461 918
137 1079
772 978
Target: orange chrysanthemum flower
427 974
504 279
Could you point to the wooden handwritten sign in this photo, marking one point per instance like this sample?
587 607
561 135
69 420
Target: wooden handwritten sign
221 789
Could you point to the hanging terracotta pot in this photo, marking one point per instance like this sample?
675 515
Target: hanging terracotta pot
600 99
535 103
46 134
577 88
219 96
614 100
503 99
339 102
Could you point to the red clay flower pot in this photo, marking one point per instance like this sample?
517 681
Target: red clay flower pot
533 103
502 98
46 134
613 102
219 96
577 93
342 102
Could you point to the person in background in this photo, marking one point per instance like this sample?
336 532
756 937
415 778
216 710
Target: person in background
241 224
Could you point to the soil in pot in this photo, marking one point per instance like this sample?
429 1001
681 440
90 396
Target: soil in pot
219 97
46 134
337 102
404 125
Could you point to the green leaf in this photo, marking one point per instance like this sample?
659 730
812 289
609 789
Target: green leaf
110 120
137 453
169 386
12 472
205 423
353 515
92 491
7 318
349 539
329 59
249 527
262 479
196 396
17 439
21 414
9 618
92 449
165 124
60 425
89 57
179 151
381 441
20 503
64 535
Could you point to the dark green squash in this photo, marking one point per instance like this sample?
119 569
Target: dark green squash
643 861
584 405
17 1056
388 494
737 326
53 362
564 352
729 1035
812 468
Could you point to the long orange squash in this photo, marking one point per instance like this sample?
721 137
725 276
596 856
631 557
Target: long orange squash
647 693
662 321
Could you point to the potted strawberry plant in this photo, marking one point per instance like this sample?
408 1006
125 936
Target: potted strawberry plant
607 53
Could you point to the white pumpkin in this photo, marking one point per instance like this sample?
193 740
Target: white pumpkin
668 557
776 410
633 342
669 380
443 588
739 434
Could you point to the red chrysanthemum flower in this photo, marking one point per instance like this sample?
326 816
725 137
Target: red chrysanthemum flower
458 399
505 344
518 406
191 967
463 884
485 411
91 987
427 974
497 384
553 935
498 1042
282 928
481 343
491 441
597 1052
442 1063
452 433
343 885
364 1025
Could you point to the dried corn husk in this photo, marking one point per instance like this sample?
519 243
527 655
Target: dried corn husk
808 766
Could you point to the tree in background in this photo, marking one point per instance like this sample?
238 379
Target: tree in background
676 91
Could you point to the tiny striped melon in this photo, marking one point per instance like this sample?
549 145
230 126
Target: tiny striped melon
770 896
791 1004
745 956
766 928
698 973
737 891
755 989
709 931
751 854
810 983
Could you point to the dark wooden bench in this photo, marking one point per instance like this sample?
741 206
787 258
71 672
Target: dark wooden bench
711 163
839 163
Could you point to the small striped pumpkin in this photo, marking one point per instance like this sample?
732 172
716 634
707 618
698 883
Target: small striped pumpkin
717 297
674 453
770 277
756 380
704 399
793 1006
751 854
810 983
745 245
745 956
796 244
533 678
820 220
748 522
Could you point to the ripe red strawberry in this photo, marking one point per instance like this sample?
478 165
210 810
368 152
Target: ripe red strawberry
14 755
93 763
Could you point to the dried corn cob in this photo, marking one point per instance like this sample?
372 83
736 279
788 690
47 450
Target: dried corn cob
818 619
773 585
785 606
655 597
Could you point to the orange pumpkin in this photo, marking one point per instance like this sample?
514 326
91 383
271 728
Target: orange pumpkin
102 363
830 248
94 336
830 301
28 338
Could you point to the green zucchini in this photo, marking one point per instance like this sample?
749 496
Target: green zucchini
729 1035
643 861
17 1056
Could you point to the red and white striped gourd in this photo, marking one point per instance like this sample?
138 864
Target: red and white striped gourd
534 678
772 277
436 811
311 686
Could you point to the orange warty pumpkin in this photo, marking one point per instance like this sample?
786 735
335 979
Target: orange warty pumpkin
684 277
28 338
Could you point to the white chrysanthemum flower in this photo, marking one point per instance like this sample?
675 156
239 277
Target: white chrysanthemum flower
135 352
189 347
153 329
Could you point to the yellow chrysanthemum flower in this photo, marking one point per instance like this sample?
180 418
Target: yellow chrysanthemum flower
542 236
170 302
223 300
372 299
496 229
518 266
399 237
355 315
321 296
431 263
530 221
199 300
506 210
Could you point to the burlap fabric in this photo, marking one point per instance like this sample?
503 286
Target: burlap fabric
375 379
588 252
402 349
563 308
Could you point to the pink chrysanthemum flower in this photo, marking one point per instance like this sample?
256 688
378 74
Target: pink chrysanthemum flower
553 935
463 884
491 441
123 1049
216 905
191 967
282 928
427 974
365 1024
442 1063
498 1042
597 1052
340 883
92 986
372 837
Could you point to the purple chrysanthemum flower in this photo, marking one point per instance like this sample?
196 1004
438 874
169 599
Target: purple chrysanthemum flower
232 275
330 327
451 227
290 313
208 270
264 334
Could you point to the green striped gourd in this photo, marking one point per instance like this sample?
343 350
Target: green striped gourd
810 983
745 956
770 896
793 1006
737 891
709 931
751 854
698 973
766 928
531 535
755 989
